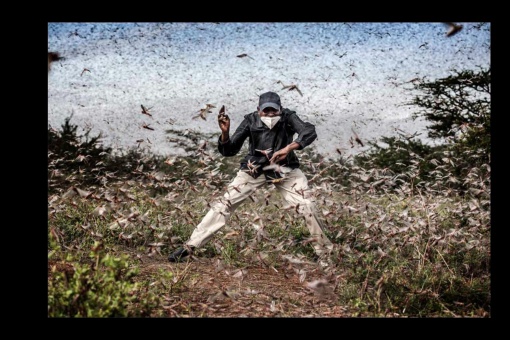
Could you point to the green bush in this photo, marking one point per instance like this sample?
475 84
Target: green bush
102 288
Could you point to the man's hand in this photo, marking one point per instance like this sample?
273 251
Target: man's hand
281 154
224 121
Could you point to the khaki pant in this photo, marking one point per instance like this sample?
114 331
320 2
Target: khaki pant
294 190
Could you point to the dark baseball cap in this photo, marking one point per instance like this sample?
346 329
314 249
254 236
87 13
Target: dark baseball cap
269 99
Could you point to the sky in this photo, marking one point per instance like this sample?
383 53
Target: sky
353 77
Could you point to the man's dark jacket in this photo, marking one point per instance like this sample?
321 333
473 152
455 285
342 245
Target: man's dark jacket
262 138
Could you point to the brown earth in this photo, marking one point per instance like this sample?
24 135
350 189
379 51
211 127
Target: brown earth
205 287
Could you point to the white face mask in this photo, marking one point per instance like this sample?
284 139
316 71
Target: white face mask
270 121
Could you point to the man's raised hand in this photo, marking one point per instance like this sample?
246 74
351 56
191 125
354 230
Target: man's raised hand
223 120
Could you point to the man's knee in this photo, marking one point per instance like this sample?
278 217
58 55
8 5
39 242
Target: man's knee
222 207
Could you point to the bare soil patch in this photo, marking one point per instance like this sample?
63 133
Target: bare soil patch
206 287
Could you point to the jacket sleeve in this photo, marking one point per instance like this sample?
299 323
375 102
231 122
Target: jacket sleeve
306 131
232 146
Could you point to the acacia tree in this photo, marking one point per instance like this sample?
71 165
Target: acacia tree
458 110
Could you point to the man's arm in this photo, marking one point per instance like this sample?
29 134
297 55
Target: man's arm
225 136
306 135
282 153
230 145
306 131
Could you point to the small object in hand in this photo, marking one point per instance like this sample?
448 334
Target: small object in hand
222 116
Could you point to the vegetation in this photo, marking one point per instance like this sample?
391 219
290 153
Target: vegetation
410 225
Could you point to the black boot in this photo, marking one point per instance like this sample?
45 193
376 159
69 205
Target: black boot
179 254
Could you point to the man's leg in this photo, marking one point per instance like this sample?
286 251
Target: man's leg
294 190
238 190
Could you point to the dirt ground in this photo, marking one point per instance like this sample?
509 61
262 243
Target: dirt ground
206 287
